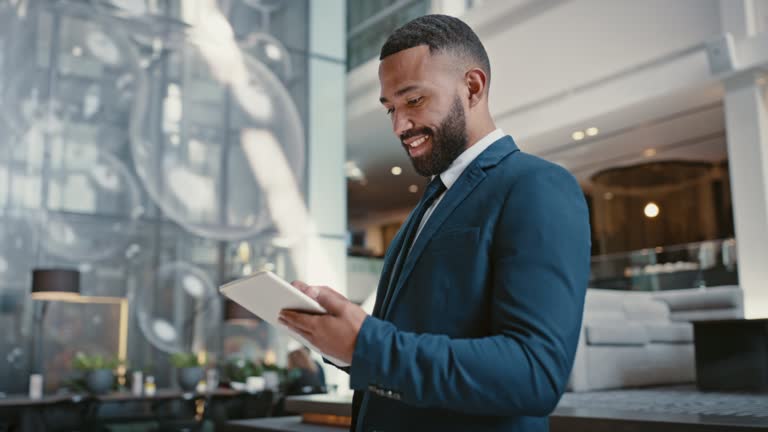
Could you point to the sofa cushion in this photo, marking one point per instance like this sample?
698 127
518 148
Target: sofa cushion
604 300
616 333
646 309
707 314
594 315
669 332
722 297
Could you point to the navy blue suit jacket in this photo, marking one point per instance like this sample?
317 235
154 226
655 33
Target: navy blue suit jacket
481 332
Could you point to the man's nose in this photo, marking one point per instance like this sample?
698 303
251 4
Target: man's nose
400 124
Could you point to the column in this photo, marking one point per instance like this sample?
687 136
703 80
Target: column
326 253
746 119
746 123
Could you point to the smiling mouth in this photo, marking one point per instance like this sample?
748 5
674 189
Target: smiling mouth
416 147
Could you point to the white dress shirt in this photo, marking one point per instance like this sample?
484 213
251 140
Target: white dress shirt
450 175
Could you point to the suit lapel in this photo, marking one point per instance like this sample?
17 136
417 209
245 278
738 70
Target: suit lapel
472 176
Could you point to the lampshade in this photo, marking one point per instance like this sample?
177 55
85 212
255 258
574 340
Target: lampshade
236 314
55 284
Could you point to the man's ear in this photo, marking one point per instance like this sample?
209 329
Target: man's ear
476 82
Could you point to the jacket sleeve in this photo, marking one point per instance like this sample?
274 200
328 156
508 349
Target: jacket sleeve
540 260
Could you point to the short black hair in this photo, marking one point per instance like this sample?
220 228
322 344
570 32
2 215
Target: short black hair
442 33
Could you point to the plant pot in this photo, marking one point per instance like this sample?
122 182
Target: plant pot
99 381
271 380
189 377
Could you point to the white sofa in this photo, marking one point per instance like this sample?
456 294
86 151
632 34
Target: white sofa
631 339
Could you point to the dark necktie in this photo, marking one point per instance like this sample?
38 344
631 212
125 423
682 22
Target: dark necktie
434 189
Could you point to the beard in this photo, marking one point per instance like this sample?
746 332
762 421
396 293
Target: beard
449 140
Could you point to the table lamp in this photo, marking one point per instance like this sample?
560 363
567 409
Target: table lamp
48 284
55 284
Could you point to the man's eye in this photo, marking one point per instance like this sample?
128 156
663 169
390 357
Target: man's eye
415 101
390 111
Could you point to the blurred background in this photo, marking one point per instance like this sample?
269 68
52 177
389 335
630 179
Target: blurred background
161 148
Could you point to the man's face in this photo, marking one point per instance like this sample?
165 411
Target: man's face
420 92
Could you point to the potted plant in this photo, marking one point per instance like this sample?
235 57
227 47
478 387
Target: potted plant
98 371
274 375
189 370
239 370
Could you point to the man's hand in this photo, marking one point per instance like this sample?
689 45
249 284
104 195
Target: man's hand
334 333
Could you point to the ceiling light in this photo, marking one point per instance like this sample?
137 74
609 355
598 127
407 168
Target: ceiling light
592 131
651 210
413 188
77 51
651 152
578 135
353 172
396 170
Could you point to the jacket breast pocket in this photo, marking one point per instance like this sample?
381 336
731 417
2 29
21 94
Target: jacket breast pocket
454 239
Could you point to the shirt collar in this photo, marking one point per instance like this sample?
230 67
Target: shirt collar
450 175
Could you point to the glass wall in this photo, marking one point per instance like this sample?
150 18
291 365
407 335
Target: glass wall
146 147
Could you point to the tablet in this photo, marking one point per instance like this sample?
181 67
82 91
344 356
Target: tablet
266 294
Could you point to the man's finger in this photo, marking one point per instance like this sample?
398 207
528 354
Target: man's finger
306 289
298 321
330 300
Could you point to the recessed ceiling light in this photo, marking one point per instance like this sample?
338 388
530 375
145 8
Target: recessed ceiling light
396 170
592 131
77 51
413 188
578 135
353 172
651 210
650 152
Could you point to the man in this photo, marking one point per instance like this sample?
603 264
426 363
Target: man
479 305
